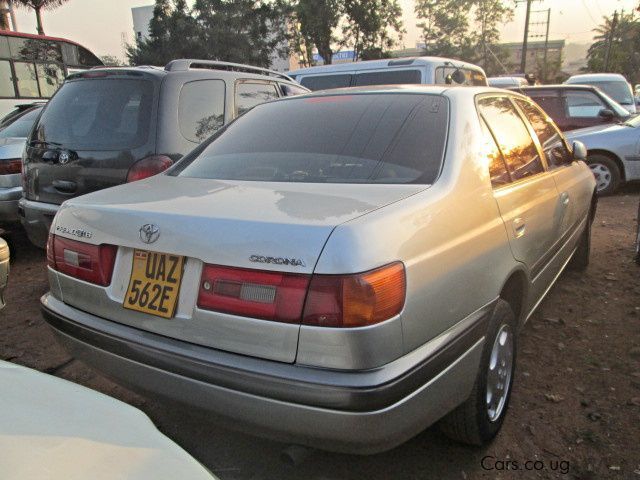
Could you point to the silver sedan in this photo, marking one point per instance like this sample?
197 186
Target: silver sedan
613 152
340 269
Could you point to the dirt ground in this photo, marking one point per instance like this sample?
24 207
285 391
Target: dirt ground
575 409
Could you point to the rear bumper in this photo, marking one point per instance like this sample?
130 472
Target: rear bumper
36 218
352 411
9 198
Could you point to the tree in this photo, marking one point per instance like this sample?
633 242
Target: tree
242 31
370 26
38 6
317 21
111 61
464 29
622 39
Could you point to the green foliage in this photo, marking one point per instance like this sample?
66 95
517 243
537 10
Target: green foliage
111 61
369 26
38 6
317 21
465 29
624 56
242 31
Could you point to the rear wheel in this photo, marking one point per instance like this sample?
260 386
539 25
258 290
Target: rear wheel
580 259
480 417
607 173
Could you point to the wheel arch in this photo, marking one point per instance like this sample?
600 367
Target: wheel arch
612 156
514 291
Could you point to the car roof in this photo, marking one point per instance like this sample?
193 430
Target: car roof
383 64
185 65
562 86
596 76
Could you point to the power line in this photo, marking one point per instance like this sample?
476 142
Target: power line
589 12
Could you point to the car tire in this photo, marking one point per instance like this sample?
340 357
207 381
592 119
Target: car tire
478 420
607 173
580 260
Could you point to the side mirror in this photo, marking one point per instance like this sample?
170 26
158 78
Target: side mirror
579 151
606 114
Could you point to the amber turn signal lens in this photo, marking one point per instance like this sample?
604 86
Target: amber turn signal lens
356 300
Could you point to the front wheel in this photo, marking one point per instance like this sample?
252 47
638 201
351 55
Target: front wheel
607 173
480 417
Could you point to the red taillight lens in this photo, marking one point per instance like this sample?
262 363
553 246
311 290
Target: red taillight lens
147 167
8 167
253 293
356 300
91 263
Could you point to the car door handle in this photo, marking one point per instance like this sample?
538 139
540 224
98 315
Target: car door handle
564 198
518 227
65 186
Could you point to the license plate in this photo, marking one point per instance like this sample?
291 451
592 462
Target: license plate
155 283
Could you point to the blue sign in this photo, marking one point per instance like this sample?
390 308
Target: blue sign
344 56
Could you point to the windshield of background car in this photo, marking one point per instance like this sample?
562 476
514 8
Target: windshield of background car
21 126
98 114
619 91
362 138
615 106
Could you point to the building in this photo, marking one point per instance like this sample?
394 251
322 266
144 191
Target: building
535 56
142 17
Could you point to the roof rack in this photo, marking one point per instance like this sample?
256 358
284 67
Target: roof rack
185 64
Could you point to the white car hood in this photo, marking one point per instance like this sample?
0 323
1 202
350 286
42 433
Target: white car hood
56 430
225 222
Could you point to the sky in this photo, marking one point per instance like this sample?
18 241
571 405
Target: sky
104 26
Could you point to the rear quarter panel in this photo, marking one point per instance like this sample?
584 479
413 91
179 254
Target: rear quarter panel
450 237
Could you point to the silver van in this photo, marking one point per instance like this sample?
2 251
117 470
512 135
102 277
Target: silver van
425 70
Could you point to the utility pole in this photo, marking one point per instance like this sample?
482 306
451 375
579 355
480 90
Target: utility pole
546 47
523 60
614 24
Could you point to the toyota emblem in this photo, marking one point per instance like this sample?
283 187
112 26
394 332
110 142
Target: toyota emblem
149 233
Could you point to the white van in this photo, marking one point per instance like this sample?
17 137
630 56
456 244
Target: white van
425 70
613 84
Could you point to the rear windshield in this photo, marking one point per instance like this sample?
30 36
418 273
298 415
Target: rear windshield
325 82
362 138
98 114
20 126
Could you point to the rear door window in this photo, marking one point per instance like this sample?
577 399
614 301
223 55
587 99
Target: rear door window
583 104
551 102
99 114
326 82
497 168
512 136
389 77
369 138
201 109
250 94
551 141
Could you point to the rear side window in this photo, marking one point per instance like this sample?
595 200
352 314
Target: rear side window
98 114
389 77
512 136
551 102
250 94
201 109
370 138
553 146
326 82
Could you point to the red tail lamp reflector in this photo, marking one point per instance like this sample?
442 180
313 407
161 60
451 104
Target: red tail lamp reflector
9 167
356 300
91 263
147 167
253 293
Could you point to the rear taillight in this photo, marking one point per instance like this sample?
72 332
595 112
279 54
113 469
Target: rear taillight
91 263
253 293
8 167
147 167
331 300
355 300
